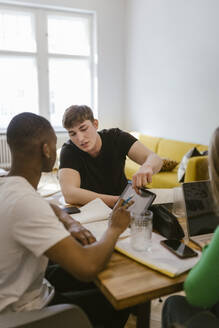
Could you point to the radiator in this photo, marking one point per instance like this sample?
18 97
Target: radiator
5 155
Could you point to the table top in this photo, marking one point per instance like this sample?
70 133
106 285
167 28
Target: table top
126 283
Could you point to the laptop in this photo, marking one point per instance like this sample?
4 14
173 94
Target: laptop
201 219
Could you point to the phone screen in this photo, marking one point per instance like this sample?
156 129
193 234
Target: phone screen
178 248
71 210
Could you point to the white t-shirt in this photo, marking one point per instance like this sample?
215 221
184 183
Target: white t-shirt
28 228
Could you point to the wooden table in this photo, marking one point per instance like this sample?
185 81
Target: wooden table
126 283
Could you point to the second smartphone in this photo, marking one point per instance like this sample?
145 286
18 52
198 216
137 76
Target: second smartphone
178 248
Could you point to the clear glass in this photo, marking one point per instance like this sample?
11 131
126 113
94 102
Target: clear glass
17 31
141 231
70 83
178 202
69 35
18 85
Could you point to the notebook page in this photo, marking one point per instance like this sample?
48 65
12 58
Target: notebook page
95 210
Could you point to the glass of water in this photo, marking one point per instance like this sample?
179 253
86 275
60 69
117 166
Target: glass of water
141 230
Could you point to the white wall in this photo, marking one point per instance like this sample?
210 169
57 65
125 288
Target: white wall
172 68
110 44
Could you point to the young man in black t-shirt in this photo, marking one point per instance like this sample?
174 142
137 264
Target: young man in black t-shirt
92 162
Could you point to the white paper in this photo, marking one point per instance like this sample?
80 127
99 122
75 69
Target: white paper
62 201
98 228
95 210
159 257
48 191
3 172
163 195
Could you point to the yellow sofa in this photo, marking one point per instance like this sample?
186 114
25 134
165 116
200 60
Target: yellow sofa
197 167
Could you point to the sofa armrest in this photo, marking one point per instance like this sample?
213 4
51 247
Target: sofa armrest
197 169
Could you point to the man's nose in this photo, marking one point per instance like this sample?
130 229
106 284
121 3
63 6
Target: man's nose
80 137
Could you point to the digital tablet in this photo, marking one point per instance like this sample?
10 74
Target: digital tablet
141 202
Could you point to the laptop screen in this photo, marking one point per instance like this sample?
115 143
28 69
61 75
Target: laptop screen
201 218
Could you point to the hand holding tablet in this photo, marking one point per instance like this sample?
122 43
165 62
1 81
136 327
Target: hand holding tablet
141 201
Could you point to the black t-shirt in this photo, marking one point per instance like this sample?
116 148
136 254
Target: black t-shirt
105 173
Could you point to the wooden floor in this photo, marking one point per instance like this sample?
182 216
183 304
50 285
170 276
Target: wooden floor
156 308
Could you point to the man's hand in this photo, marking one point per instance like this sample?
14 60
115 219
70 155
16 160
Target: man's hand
120 218
142 177
77 231
80 233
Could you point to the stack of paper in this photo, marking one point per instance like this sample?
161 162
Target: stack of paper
95 210
158 257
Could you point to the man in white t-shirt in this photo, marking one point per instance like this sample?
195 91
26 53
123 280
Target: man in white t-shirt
31 232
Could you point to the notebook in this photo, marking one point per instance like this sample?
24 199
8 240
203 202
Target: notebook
201 219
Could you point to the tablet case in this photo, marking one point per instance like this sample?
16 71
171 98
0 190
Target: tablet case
166 223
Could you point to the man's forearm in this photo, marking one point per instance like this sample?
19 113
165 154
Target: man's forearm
154 162
102 251
63 216
82 196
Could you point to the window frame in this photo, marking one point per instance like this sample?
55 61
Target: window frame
42 56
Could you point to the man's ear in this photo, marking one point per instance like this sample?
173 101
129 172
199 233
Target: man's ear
96 123
46 150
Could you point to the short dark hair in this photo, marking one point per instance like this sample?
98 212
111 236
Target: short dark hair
27 128
76 114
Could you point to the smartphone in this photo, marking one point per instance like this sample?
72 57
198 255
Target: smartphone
142 201
178 248
71 210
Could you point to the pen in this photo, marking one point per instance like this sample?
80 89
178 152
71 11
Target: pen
128 199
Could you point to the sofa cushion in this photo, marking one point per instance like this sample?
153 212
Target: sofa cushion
173 149
149 141
164 180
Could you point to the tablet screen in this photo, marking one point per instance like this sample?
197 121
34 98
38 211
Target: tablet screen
141 202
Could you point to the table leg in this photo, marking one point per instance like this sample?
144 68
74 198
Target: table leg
143 312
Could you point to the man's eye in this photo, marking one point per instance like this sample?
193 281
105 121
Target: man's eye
84 129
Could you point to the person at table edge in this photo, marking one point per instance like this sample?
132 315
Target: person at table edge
92 162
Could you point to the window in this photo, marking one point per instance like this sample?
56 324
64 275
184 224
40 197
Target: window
46 62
